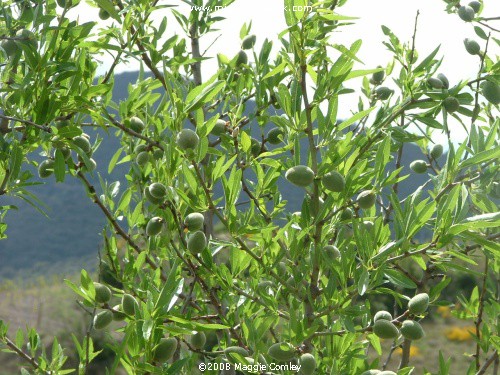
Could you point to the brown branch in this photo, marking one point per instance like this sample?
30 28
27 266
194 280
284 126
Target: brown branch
405 356
492 358
479 319
32 361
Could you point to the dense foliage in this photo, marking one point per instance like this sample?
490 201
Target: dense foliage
214 269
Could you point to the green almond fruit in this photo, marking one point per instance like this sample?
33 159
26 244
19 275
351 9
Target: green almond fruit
275 136
255 147
307 364
231 350
103 14
88 167
154 226
118 315
476 5
150 197
435 83
241 58
158 190
61 3
219 128
472 46
300 175
158 154
83 143
282 351
103 319
383 93
11 48
346 214
385 329
382 314
197 242
443 79
378 77
107 275
491 91
248 42
331 252
371 372
46 168
102 293
136 124
436 151
187 139
418 166
366 199
165 349
142 158
66 152
194 221
418 304
333 181
129 304
198 340
62 124
412 330
140 148
466 13
451 104
28 37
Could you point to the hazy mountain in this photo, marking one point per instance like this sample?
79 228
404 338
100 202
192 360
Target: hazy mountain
69 238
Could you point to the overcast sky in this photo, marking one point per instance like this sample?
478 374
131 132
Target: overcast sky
435 27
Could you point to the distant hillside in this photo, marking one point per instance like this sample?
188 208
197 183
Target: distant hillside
68 240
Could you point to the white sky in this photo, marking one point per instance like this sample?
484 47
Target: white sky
267 16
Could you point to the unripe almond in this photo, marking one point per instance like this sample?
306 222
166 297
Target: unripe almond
371 372
103 14
154 226
383 93
418 166
451 104
300 175
443 79
136 124
187 139
385 329
103 319
83 143
385 315
142 158
282 351
230 350
435 83
466 13
346 214
129 304
241 58
158 154
333 181
46 168
307 364
472 46
165 349
158 190
378 77
476 5
219 127
366 199
387 373
150 197
10 47
275 136
412 330
491 91
418 304
436 151
194 221
331 252
255 147
118 315
197 242
198 340
248 42
102 293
